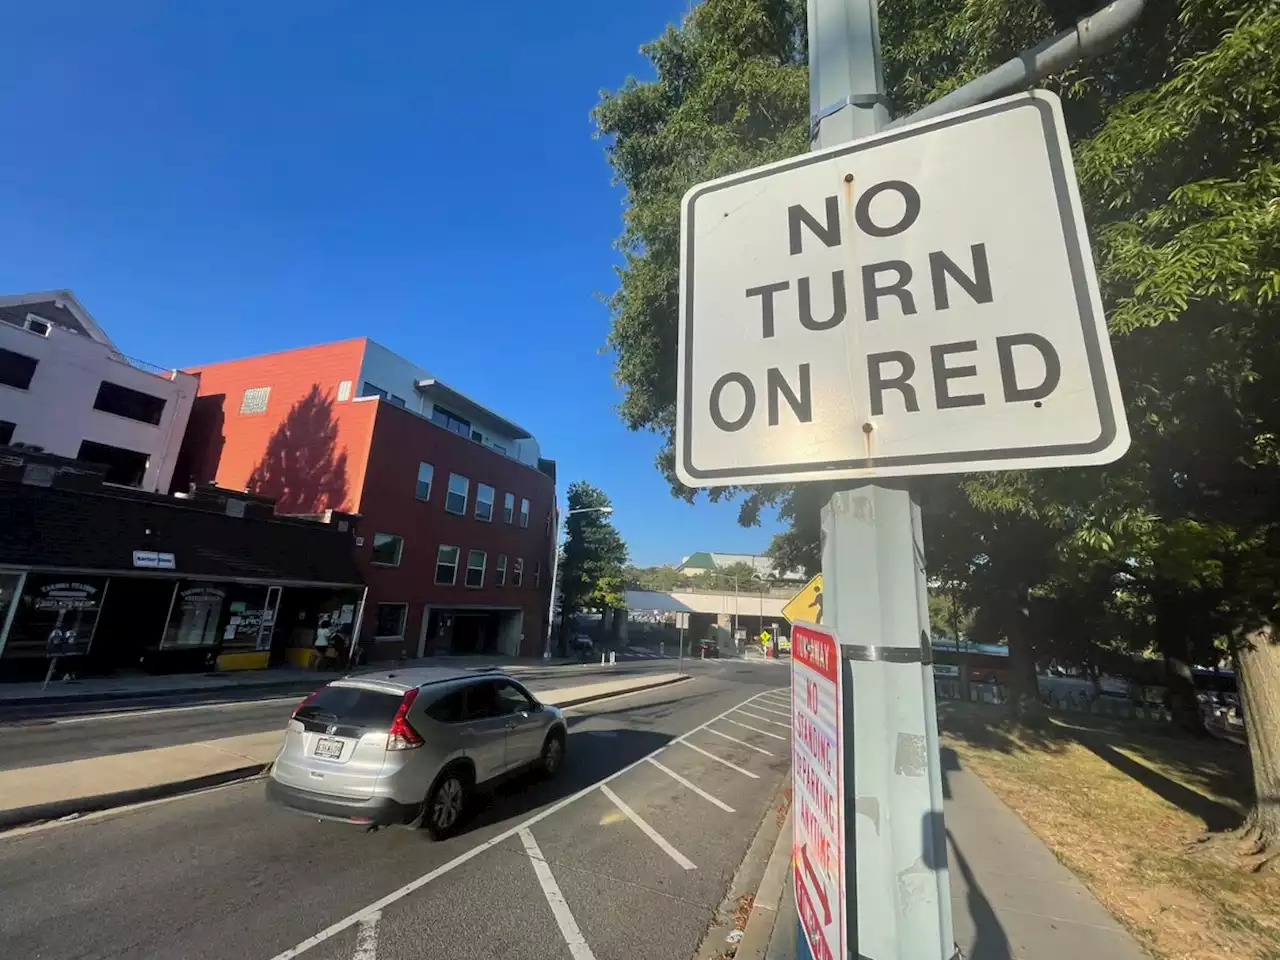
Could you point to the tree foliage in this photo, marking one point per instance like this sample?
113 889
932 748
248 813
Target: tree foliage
1175 549
593 557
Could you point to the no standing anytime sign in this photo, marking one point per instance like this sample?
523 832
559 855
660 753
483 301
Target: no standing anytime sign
817 774
921 301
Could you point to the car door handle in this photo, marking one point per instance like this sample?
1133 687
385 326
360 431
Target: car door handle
511 724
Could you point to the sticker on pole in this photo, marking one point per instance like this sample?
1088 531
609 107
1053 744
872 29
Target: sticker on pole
922 301
817 773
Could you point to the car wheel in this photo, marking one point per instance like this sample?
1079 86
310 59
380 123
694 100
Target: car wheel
552 754
442 812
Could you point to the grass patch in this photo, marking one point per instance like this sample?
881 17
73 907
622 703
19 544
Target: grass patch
1128 814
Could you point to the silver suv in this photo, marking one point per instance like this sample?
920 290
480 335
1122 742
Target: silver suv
409 746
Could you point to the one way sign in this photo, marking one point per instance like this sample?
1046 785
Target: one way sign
921 301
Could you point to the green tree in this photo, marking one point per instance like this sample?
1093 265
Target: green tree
663 579
593 557
1176 137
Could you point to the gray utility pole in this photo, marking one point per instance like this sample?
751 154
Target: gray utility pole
876 599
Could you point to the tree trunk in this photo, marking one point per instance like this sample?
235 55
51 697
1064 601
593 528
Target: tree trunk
1174 643
1024 686
1258 659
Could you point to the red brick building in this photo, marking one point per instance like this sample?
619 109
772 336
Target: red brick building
456 502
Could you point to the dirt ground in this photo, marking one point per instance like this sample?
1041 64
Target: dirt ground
1142 818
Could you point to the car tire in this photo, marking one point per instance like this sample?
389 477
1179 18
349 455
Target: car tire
552 758
446 803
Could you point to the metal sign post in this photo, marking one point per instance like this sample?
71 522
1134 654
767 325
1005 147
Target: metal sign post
682 623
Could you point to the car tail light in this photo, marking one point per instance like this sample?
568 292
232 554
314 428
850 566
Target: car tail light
305 700
401 736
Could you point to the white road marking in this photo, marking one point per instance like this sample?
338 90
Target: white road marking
125 714
573 937
749 746
692 786
466 856
755 729
367 938
731 766
781 701
651 833
781 713
762 719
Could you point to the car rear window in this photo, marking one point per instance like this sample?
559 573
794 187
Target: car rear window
352 705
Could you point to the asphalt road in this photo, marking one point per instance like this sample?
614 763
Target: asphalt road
574 867
31 743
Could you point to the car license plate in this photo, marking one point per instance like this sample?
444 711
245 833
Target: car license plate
330 747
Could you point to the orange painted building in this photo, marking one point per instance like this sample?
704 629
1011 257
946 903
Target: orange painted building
456 502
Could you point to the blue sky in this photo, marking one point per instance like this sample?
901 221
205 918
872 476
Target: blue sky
219 180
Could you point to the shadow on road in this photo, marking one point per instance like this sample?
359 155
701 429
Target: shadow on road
590 757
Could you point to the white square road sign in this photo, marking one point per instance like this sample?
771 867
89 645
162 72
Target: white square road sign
921 301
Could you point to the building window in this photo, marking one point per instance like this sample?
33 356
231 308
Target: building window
499 447
398 401
6 432
451 421
387 548
475 568
508 507
344 391
537 573
484 502
524 512
425 474
367 389
254 400
456 499
500 571
134 404
17 369
125 467
446 566
389 621
517 572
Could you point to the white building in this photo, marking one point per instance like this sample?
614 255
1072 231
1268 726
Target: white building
67 389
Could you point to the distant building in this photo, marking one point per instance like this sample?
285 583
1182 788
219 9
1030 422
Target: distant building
455 500
703 563
66 389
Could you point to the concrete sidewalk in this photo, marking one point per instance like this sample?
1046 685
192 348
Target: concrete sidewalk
1010 897
30 794
138 686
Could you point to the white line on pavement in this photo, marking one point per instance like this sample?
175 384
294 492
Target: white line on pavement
416 884
782 699
748 726
780 713
367 938
731 766
692 786
651 833
762 718
573 937
749 746
125 714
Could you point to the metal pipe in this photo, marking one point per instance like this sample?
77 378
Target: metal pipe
1089 37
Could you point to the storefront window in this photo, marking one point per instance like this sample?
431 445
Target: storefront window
66 603
197 610
8 593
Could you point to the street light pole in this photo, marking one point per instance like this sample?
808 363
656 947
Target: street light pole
555 571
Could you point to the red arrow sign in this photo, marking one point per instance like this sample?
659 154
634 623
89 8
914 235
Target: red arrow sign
817 885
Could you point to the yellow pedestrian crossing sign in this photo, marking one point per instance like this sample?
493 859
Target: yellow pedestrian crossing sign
764 636
807 604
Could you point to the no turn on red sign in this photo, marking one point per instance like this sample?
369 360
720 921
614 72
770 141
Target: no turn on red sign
920 301
817 773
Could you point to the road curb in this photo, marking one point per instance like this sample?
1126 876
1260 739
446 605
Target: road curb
565 704
764 912
57 809
722 937
88 699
